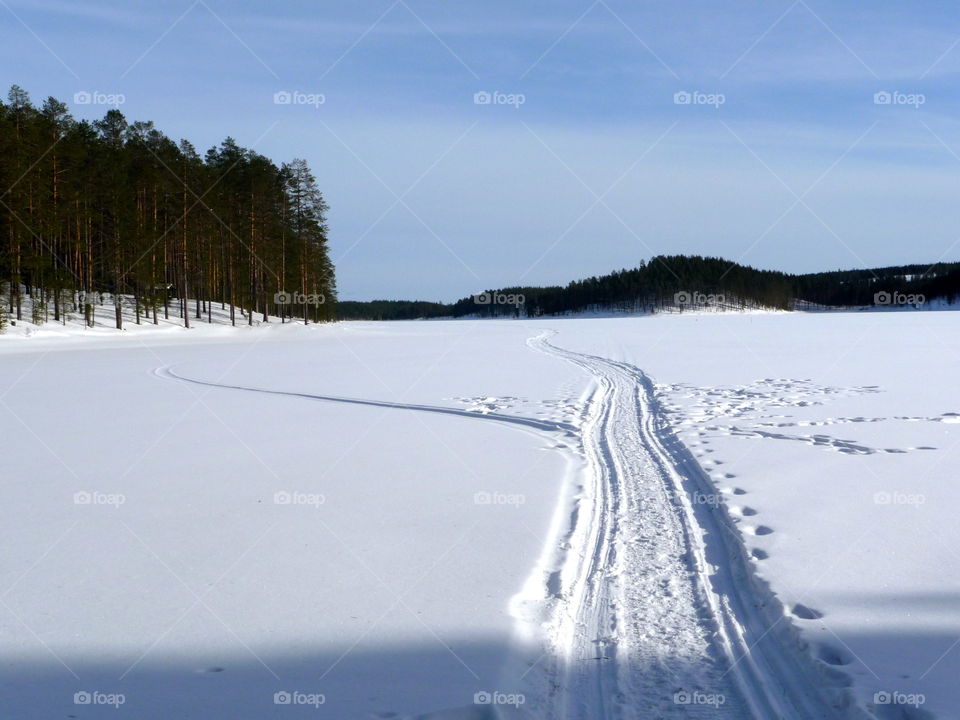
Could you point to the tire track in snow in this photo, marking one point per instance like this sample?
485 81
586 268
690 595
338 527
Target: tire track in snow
659 601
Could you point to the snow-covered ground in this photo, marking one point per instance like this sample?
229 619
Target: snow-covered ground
832 440
578 517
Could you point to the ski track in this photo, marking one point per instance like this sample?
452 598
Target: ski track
658 596
656 603
547 425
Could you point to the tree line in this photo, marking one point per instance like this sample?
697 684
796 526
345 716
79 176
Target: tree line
391 310
679 282
115 212
674 281
843 288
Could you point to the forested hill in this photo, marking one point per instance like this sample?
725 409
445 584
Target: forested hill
859 287
117 208
687 282
663 281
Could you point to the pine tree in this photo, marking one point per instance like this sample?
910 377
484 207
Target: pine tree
118 210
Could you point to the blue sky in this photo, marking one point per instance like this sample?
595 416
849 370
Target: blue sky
783 158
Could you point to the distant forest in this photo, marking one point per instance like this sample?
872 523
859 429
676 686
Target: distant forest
391 310
114 208
858 287
115 212
681 282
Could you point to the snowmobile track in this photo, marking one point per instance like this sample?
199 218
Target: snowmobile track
661 613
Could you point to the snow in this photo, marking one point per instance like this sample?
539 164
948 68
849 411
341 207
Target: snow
387 593
833 440
260 512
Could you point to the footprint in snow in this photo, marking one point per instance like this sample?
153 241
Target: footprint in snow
806 613
834 655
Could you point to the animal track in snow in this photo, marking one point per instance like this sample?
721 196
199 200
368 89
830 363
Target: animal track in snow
834 655
737 401
711 406
949 418
806 613
848 447
488 404
566 409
